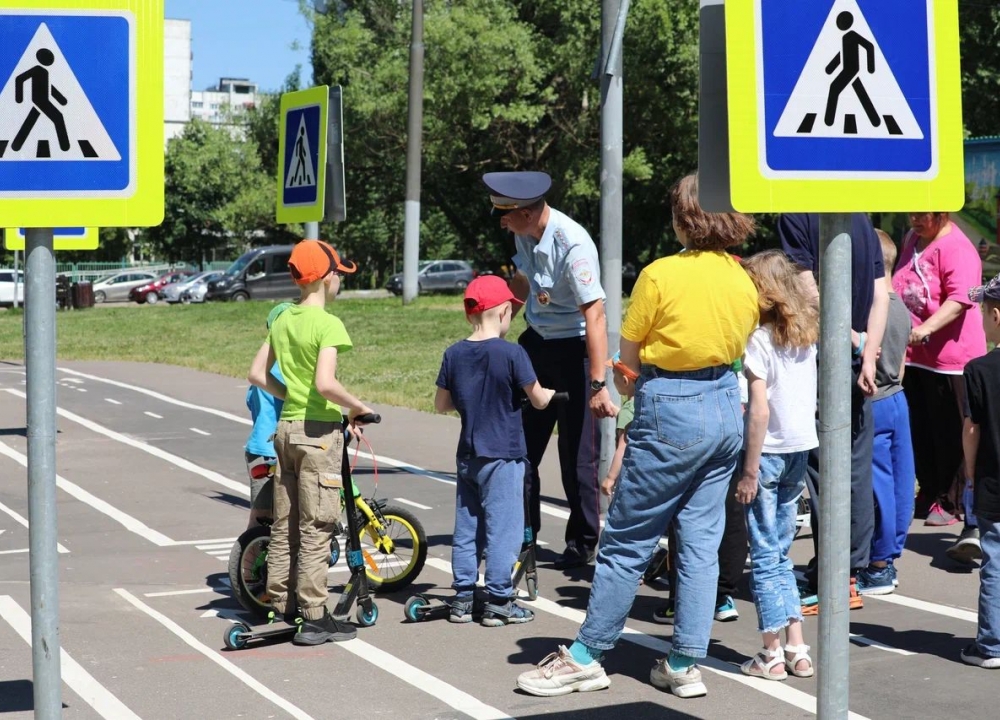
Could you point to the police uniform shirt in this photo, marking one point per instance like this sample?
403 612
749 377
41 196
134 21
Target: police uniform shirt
564 273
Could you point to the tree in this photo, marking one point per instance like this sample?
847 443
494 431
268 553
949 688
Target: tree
216 194
980 28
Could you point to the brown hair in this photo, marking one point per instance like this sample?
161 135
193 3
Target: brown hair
888 251
705 230
782 300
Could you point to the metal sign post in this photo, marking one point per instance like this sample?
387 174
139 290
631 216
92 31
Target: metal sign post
833 658
414 143
40 366
17 283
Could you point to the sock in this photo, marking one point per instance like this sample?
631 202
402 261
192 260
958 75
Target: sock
583 654
970 519
680 663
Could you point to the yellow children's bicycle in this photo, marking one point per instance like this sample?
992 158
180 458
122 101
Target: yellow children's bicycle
393 547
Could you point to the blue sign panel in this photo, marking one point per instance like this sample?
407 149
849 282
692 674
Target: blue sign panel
77 232
67 104
847 88
302 149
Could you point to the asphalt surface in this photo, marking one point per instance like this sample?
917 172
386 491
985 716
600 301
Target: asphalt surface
153 490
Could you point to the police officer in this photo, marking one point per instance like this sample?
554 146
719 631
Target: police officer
558 277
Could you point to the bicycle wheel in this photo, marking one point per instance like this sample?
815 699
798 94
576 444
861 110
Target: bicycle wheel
248 570
389 571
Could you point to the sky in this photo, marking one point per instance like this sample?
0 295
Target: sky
245 39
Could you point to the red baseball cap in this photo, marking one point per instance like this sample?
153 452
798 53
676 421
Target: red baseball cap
487 291
312 260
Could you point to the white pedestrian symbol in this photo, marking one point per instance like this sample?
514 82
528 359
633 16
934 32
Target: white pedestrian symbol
846 88
301 173
45 113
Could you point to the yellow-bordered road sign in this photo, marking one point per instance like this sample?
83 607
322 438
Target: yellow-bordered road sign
81 113
844 105
302 155
63 238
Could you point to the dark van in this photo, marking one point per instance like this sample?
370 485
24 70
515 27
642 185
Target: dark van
261 273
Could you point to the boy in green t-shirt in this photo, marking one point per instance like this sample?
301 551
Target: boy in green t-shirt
305 341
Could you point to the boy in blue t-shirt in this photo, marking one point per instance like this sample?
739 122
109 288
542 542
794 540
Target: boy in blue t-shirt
265 409
482 378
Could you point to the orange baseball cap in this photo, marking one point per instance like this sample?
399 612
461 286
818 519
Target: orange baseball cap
313 260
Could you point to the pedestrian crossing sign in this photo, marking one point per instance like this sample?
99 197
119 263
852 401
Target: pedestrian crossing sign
302 155
78 238
844 105
81 113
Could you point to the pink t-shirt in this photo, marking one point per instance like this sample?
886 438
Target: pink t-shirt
945 270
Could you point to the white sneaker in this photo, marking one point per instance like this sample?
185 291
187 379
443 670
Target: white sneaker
683 683
560 674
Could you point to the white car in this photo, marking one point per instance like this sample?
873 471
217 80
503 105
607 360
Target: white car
196 290
7 287
174 292
116 287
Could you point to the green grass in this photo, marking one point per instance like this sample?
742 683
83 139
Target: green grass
395 360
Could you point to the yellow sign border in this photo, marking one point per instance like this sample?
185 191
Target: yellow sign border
12 240
293 101
753 192
145 206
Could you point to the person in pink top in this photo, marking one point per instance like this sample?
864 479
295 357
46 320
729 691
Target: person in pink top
937 265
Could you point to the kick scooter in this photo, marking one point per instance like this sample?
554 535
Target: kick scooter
424 607
357 589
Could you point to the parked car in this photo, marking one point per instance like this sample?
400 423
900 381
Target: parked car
174 292
436 276
198 290
261 273
116 287
7 287
149 293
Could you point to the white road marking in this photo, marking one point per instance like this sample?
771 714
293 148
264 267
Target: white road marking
153 415
216 546
82 389
200 432
198 591
778 691
213 541
413 504
112 401
16 516
180 462
125 520
75 381
215 657
931 607
219 553
159 396
229 615
15 552
862 640
80 681
342 567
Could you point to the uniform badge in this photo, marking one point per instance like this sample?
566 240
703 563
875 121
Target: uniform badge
544 298
583 272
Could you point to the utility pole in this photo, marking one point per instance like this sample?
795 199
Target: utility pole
415 127
613 15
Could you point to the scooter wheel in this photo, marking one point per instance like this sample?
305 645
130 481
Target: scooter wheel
532 585
235 637
414 608
367 618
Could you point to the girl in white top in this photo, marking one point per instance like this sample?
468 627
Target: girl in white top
780 367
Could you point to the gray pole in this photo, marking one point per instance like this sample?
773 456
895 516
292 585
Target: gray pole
834 465
414 132
613 14
40 364
311 231
16 283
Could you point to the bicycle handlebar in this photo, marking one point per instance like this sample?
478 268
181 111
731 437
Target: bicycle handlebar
368 419
560 397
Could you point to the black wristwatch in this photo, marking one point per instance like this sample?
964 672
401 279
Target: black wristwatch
597 385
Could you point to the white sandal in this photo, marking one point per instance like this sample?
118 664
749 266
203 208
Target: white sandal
761 664
798 653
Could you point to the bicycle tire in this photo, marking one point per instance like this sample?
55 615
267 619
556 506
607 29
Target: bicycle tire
405 566
248 575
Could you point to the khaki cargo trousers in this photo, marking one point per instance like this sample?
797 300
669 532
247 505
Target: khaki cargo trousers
307 489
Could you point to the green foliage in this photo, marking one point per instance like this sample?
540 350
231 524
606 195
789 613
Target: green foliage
980 28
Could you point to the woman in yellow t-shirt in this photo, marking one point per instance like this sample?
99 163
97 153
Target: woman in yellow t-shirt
689 320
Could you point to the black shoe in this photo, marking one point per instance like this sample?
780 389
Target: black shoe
326 629
574 558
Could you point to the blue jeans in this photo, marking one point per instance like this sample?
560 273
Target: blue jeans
771 526
681 452
988 636
893 476
489 516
